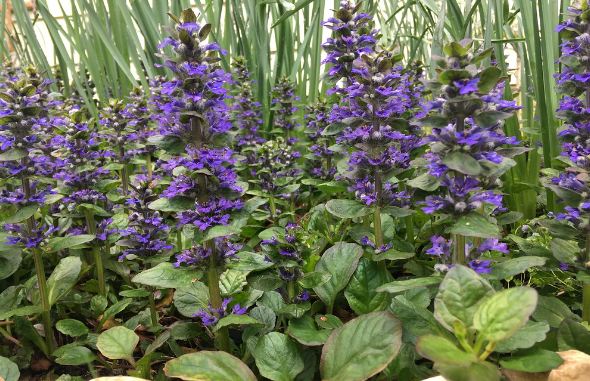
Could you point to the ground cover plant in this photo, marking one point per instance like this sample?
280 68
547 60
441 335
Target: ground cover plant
216 223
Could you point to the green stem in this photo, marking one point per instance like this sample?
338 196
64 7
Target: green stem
409 220
459 257
586 302
459 253
179 240
377 220
290 291
148 164
273 208
40 270
43 293
215 297
96 254
153 311
124 174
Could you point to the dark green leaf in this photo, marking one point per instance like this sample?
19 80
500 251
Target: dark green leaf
361 348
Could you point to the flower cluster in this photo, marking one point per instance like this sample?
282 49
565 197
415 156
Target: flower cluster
147 233
442 248
211 315
200 256
353 36
246 113
283 101
319 159
573 185
288 253
467 151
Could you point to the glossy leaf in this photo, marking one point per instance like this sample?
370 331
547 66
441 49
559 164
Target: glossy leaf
278 358
361 292
505 312
165 275
208 366
64 277
340 261
443 351
118 343
361 348
459 297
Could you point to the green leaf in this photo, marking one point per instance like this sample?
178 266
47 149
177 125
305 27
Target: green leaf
221 231
463 163
13 154
460 295
505 312
8 370
340 261
22 311
417 320
305 330
488 79
474 225
192 298
347 208
565 251
114 310
71 327
265 281
174 204
572 335
249 262
314 279
76 356
60 243
118 343
514 266
22 214
361 292
480 371
553 311
361 348
232 281
277 357
10 261
508 218
236 320
408 284
64 277
328 321
209 366
443 351
532 360
165 275
454 49
526 337
491 118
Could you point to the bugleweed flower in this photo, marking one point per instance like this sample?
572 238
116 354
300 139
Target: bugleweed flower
442 248
467 147
38 236
283 101
24 125
246 113
287 252
146 234
353 36
210 315
319 159
377 99
200 257
273 165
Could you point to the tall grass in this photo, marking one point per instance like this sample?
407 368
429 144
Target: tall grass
114 41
